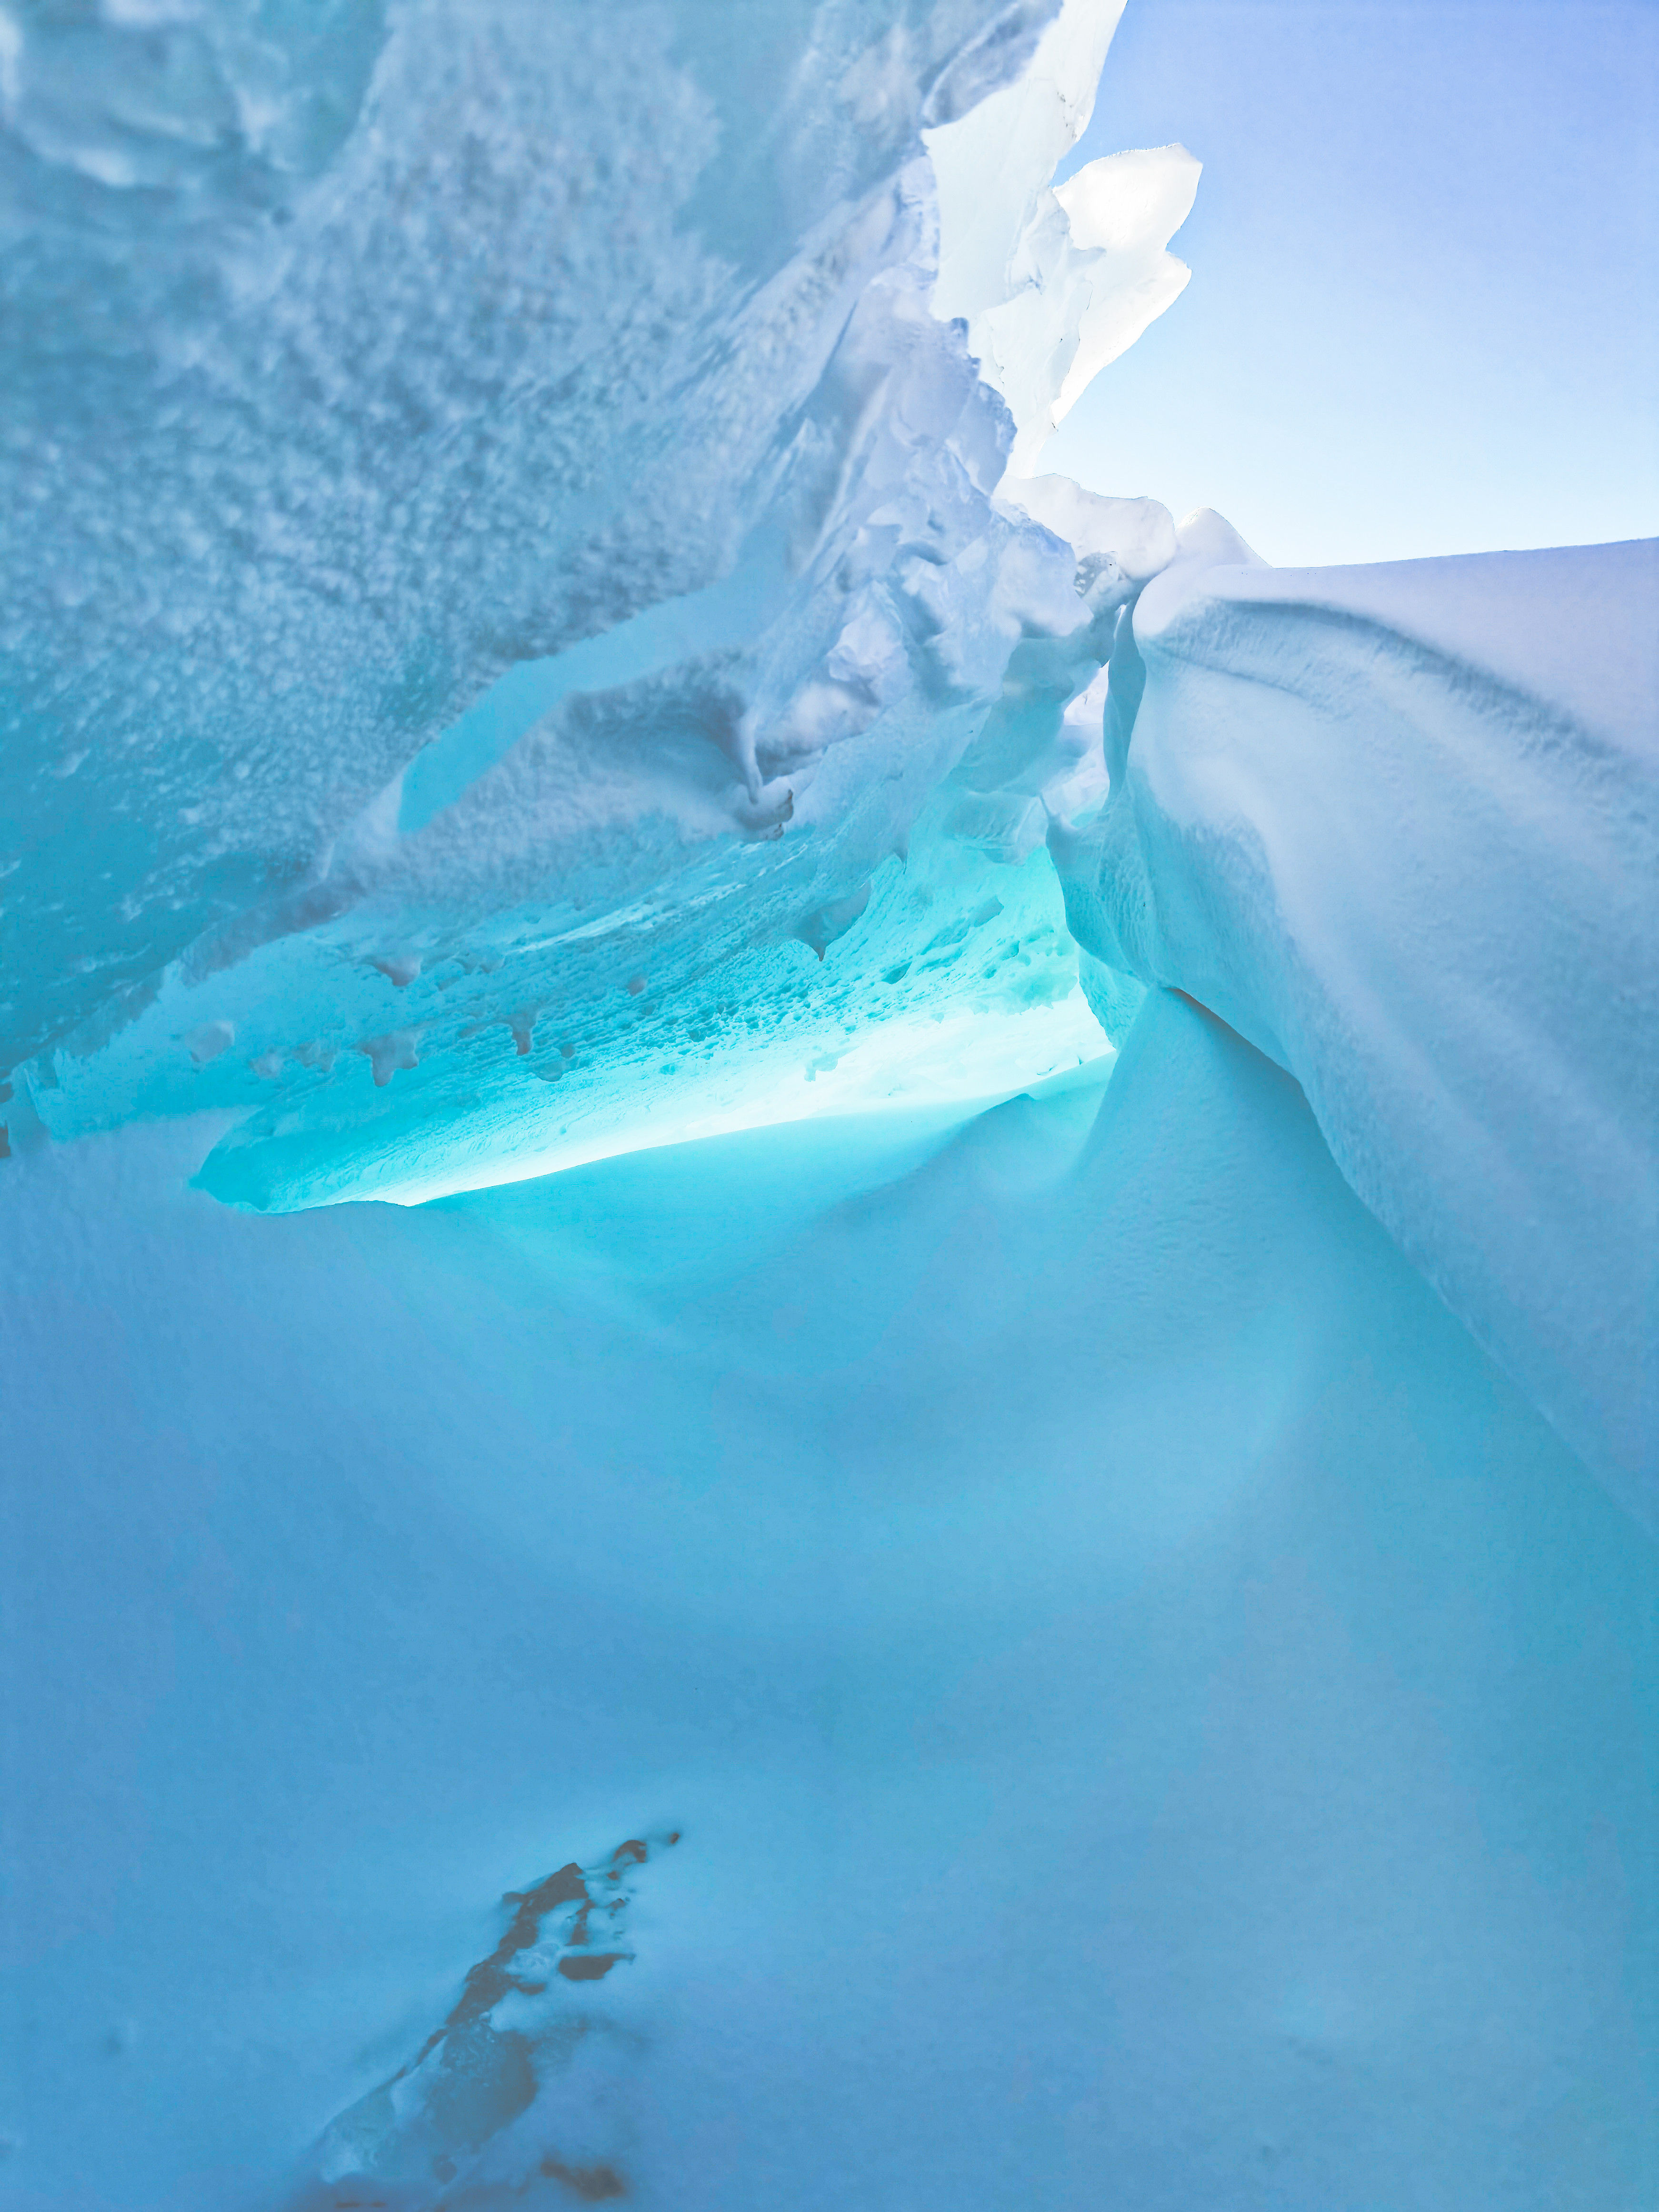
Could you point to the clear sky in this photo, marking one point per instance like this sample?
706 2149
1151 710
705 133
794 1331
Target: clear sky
1424 315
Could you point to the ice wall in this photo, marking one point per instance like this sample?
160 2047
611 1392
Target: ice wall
1400 826
505 572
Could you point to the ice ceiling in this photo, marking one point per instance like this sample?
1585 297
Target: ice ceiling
513 646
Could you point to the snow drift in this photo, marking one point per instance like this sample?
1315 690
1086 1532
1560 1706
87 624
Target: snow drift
1400 826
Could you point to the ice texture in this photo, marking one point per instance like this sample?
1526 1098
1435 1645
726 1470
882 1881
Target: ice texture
1139 1693
488 525
1399 827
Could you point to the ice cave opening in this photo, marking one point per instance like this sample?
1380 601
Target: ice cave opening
829 1325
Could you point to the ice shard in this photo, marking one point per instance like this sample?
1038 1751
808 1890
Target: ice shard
1397 825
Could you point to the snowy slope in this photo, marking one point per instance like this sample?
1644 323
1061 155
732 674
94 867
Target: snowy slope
1137 1694
928 1658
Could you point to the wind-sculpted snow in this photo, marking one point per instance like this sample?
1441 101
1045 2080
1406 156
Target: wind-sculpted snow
419 374
1400 826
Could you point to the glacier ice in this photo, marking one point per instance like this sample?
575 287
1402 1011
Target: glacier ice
908 1652
1052 281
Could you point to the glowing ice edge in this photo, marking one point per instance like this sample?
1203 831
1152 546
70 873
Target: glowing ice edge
960 1059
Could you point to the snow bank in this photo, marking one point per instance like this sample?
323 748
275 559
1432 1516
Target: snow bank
1399 827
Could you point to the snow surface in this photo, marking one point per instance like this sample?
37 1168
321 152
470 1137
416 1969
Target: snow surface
1139 1693
1400 826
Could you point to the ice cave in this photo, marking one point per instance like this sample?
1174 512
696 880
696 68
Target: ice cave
828 1268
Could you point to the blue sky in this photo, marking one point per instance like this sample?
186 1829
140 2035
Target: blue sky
1424 315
